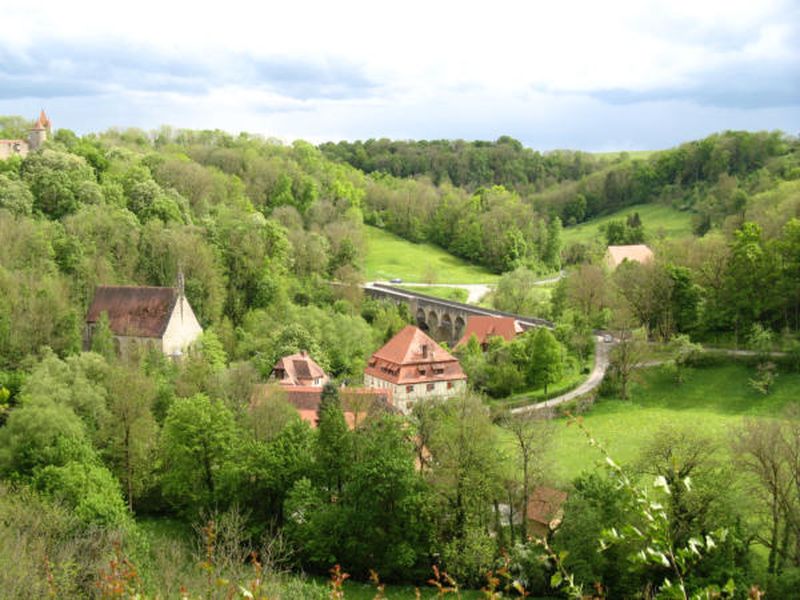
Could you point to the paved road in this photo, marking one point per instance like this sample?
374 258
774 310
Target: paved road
595 377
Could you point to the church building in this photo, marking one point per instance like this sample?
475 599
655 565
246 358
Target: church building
144 317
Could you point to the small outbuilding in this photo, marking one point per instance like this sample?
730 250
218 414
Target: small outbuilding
299 370
616 255
545 511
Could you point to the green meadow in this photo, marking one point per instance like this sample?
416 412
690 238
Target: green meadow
390 257
658 220
712 400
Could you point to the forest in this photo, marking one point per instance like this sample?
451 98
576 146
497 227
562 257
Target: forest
163 479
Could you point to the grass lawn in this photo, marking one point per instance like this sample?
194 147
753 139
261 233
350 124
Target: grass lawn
656 218
712 399
389 257
448 293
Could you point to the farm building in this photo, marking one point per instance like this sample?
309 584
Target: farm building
413 366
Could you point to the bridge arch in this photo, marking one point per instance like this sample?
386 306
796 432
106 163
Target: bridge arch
458 328
422 322
445 331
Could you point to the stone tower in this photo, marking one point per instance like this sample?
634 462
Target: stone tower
39 132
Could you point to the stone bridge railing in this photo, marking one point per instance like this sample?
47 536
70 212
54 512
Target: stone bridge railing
444 320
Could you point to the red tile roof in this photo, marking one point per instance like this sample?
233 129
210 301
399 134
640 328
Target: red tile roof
357 403
132 310
545 505
484 327
413 357
298 370
42 122
633 252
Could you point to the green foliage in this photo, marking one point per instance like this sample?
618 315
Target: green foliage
60 182
548 359
518 293
15 196
40 434
88 489
103 338
198 446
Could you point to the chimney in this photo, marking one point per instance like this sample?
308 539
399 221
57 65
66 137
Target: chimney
424 350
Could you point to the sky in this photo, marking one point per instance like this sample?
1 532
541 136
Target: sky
592 75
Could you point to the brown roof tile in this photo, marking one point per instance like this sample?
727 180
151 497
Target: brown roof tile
42 122
484 327
298 370
633 252
410 357
132 310
357 403
545 505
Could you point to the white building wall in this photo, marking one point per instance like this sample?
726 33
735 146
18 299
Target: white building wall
182 329
404 399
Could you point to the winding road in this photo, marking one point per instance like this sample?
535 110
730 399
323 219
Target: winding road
595 377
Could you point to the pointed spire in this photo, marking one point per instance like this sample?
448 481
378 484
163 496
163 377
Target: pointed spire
42 122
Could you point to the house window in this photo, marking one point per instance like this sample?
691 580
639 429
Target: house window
409 389
449 385
430 387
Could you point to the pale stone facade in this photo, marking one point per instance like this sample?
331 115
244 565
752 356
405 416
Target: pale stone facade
182 329
405 395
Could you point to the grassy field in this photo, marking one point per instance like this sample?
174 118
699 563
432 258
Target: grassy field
389 257
635 154
656 218
448 293
712 399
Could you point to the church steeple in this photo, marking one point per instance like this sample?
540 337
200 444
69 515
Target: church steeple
39 131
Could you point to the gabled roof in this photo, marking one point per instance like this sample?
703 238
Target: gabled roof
135 311
634 252
411 356
42 122
545 506
486 326
298 369
411 345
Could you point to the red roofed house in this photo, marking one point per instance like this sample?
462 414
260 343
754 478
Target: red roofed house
616 255
545 511
299 370
357 403
154 317
413 366
484 327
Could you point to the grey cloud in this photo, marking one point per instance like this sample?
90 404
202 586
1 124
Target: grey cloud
53 68
745 86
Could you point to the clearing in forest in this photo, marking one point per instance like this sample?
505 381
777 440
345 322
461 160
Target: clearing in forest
391 257
657 219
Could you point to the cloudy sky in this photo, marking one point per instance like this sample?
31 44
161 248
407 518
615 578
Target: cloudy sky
594 75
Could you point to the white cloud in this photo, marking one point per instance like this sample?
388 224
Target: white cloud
347 69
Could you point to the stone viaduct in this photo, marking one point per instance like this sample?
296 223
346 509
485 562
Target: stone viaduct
444 320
